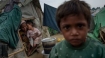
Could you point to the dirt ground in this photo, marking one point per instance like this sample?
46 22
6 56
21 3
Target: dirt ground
37 55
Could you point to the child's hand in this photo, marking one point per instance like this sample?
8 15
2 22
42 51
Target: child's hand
36 34
34 37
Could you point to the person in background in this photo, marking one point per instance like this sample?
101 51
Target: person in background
23 34
73 18
33 34
23 31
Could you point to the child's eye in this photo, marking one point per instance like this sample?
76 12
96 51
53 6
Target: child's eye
80 25
66 27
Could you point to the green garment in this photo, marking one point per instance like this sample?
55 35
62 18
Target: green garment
9 24
99 22
91 49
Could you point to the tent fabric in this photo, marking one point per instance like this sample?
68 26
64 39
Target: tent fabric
99 20
92 24
18 47
9 23
49 17
9 6
29 11
100 17
3 3
93 14
40 15
25 2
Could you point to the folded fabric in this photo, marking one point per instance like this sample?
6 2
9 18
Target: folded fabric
9 24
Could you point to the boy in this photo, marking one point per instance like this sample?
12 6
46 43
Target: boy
73 19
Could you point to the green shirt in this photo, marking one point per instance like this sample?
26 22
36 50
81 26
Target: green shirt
91 49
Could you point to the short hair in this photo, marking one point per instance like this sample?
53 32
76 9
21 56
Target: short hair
73 7
30 22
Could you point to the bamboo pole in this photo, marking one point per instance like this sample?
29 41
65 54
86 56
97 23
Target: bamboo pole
22 49
10 55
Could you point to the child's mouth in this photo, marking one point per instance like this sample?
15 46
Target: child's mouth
75 40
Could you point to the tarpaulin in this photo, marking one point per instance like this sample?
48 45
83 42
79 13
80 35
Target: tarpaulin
29 11
99 20
3 3
49 17
9 23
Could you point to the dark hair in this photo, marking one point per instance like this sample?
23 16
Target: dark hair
73 7
30 22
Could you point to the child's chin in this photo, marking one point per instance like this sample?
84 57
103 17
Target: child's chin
76 44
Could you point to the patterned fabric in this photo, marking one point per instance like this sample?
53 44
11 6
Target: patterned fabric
9 24
91 49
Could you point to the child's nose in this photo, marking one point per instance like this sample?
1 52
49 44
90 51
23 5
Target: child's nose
74 32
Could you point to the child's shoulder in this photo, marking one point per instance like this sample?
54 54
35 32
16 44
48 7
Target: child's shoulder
60 44
36 29
96 43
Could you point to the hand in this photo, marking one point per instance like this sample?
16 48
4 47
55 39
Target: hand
34 37
36 34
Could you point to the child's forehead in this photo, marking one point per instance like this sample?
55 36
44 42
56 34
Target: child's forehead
73 20
23 24
23 21
73 17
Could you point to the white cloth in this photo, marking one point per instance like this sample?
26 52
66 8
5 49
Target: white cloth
31 33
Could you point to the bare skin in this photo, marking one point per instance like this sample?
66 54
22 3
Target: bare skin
74 28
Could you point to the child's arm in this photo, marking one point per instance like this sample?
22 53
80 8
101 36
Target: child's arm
38 33
35 36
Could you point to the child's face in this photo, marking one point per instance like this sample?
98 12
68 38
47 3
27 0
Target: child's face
74 29
24 26
29 26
